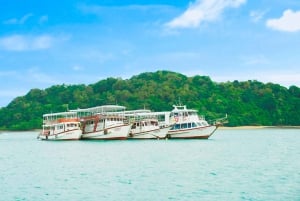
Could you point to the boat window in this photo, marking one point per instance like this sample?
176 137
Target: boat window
71 125
189 125
194 125
60 127
90 122
175 127
154 123
175 114
184 125
133 126
204 123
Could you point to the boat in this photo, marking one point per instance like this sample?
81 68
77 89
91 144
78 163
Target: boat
187 124
145 125
60 126
105 122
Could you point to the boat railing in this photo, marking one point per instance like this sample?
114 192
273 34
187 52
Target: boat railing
219 121
62 120
201 117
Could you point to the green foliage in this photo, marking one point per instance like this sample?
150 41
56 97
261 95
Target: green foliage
246 103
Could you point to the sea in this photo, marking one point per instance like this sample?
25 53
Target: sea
232 165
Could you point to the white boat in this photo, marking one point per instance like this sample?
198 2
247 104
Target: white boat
103 123
145 125
60 126
188 125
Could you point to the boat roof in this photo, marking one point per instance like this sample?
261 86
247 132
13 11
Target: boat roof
101 109
137 111
63 114
180 108
140 112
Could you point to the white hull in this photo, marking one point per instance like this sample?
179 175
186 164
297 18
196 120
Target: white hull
60 126
150 134
68 135
117 133
193 133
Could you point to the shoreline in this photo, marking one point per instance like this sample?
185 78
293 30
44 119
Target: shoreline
257 127
220 128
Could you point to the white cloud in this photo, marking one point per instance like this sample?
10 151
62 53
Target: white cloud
201 11
289 21
22 20
99 10
11 93
286 79
255 60
257 15
35 75
43 19
7 74
77 68
41 42
26 43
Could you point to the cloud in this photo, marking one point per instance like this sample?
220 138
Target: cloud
22 20
255 60
201 11
7 74
26 43
11 93
77 68
35 75
289 22
98 9
257 15
43 19
283 78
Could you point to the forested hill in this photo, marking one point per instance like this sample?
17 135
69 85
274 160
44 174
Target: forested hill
246 103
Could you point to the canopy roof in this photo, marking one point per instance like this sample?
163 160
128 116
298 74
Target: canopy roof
101 109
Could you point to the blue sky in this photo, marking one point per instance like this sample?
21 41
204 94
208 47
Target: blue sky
44 43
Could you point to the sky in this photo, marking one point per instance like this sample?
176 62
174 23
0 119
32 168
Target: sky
46 43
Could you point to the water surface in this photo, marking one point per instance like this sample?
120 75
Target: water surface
256 165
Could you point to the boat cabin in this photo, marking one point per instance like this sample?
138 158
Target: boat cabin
179 126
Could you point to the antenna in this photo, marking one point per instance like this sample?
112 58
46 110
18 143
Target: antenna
179 101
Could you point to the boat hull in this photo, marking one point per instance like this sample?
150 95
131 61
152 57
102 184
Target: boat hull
68 135
150 134
114 133
192 133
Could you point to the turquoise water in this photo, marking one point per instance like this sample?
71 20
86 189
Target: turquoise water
260 164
